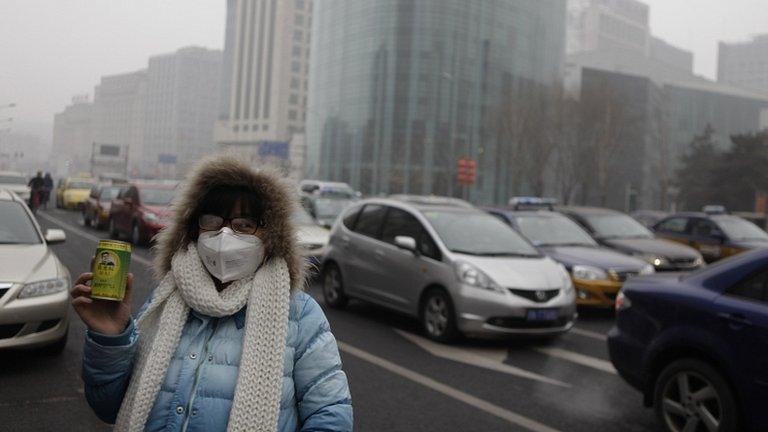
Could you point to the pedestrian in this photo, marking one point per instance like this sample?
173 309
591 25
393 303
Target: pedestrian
228 339
36 186
47 188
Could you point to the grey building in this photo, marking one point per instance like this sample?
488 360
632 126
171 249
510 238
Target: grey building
745 64
400 90
73 137
264 76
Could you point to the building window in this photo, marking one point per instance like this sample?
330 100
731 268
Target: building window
295 66
300 4
296 52
293 99
298 35
299 20
294 83
236 128
293 115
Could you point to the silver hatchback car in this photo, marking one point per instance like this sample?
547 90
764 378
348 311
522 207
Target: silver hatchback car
456 268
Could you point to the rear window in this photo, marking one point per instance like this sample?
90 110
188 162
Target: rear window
15 225
370 220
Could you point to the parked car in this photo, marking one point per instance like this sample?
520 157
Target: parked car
649 218
597 271
140 211
716 235
15 182
456 268
618 231
72 192
312 239
695 345
325 210
96 207
327 189
34 300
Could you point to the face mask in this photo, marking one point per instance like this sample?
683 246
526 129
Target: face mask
229 256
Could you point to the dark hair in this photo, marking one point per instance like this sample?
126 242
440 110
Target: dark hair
221 200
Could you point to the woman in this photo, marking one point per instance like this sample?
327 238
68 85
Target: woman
228 341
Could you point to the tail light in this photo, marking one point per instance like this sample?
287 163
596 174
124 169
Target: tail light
622 302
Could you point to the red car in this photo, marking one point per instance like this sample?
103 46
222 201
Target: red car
140 211
96 207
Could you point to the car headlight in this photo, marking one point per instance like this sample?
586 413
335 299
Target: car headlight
646 270
585 272
45 287
473 276
566 280
151 218
653 259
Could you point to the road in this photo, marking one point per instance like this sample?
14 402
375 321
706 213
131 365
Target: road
399 381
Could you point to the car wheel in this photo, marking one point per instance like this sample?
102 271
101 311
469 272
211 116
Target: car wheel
113 234
333 287
136 235
57 347
690 395
438 319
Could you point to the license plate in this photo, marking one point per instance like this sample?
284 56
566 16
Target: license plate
541 315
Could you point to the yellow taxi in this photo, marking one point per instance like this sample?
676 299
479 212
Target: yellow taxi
72 192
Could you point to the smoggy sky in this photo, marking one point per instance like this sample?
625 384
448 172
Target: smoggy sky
51 50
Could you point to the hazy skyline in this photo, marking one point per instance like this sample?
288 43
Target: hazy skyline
55 49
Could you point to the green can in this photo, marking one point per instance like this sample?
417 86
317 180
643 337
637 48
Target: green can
110 270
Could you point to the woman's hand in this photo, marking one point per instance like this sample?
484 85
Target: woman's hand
102 316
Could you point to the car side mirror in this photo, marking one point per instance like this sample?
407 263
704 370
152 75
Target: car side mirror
407 243
54 236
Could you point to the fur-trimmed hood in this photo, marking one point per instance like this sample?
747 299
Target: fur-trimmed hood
227 170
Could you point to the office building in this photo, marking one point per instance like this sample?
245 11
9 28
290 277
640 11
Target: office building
73 136
264 75
745 64
400 91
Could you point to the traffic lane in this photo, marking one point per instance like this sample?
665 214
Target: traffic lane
595 400
378 396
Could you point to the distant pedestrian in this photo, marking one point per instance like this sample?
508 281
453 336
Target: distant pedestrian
36 186
47 188
228 340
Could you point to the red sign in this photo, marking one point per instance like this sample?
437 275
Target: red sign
466 172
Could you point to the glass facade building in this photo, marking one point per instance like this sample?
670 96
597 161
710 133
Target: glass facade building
399 90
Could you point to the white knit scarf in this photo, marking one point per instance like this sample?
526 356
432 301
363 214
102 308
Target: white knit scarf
188 285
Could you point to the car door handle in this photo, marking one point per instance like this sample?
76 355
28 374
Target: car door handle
735 319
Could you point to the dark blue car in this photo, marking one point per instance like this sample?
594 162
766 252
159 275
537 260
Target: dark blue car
696 345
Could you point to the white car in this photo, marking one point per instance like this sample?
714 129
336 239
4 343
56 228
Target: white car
34 296
15 182
312 238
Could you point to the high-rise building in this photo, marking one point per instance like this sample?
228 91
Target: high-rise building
182 89
119 113
618 29
401 90
264 75
745 64
73 136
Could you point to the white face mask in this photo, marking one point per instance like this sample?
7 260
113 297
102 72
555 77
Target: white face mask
229 256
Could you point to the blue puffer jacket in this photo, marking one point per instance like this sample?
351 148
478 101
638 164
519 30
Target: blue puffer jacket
200 383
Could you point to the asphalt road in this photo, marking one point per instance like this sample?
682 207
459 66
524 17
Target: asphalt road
399 381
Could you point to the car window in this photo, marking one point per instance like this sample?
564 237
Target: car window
674 225
703 228
351 217
553 230
737 228
370 220
15 225
402 223
753 288
616 225
109 193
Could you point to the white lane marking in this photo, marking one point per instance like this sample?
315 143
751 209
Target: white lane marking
447 390
81 233
577 358
483 358
589 334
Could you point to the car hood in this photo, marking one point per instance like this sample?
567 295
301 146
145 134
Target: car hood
664 248
312 234
21 263
521 273
600 257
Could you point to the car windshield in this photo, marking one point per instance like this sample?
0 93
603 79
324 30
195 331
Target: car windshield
553 231
617 225
79 185
330 208
476 233
301 217
109 193
737 228
15 225
336 192
8 179
158 197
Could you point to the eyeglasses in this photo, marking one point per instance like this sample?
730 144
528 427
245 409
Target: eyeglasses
240 225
